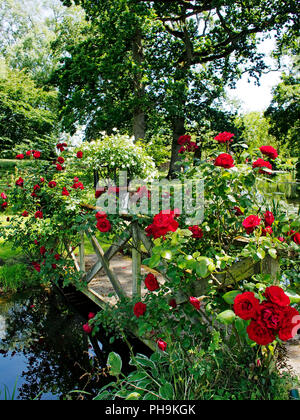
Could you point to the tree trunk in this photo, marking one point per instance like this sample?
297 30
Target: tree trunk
178 128
139 125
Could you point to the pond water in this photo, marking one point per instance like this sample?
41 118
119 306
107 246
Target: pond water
44 353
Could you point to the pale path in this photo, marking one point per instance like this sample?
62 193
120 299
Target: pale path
293 352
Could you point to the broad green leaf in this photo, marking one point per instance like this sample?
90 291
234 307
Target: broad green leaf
230 296
114 363
166 392
226 317
261 254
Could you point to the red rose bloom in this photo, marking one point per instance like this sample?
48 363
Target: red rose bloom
78 185
224 160
91 315
103 225
42 250
139 309
224 137
197 232
163 223
195 302
250 223
269 218
52 184
87 328
246 306
260 163
238 211
61 160
276 295
59 167
101 215
151 282
28 153
260 334
173 303
57 257
65 192
271 315
3 196
39 215
269 151
162 345
4 205
20 156
296 238
79 155
25 213
20 182
37 155
268 230
184 140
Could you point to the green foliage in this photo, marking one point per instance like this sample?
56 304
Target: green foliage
27 113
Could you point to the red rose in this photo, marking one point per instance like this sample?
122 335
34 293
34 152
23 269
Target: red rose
296 238
139 309
99 192
163 223
78 185
91 315
4 205
39 215
79 155
20 182
151 282
250 223
269 218
260 163
162 345
65 192
42 250
269 151
271 315
268 230
276 295
59 167
238 211
260 334
37 267
61 160
37 155
173 303
28 153
87 328
197 232
101 215
3 196
246 306
224 160
103 225
52 184
224 137
54 266
195 302
57 257
184 139
25 213
20 157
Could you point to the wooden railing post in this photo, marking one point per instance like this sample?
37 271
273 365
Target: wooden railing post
81 252
136 262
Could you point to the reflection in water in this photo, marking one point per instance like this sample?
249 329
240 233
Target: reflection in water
43 347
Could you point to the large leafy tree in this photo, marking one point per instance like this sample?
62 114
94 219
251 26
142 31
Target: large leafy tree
27 113
169 58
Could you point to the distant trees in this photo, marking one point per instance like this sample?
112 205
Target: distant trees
166 60
27 113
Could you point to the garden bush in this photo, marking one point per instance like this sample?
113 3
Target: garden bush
200 333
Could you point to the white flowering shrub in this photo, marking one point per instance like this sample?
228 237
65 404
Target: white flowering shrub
118 153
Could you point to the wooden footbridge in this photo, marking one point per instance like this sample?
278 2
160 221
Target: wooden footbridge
110 276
